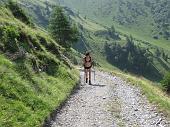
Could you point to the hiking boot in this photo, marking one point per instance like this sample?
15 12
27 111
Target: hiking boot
90 82
86 80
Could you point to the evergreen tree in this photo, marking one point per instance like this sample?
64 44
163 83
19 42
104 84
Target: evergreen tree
163 55
112 33
130 45
157 52
166 58
130 58
18 12
113 29
61 29
166 82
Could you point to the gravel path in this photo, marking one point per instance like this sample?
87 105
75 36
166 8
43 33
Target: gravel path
110 102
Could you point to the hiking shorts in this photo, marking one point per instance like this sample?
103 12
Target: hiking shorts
87 67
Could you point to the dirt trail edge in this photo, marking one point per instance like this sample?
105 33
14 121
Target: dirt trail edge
109 102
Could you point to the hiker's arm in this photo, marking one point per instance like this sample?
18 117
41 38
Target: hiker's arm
83 62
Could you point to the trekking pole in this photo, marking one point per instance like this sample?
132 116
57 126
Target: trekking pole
94 75
94 72
83 68
84 76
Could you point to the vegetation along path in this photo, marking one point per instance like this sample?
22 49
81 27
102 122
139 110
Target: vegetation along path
109 102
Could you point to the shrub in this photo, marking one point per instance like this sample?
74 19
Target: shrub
166 82
19 13
9 35
155 37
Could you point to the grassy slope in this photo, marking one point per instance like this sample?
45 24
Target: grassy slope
28 96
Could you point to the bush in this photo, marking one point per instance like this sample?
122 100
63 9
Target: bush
9 35
155 37
166 83
19 13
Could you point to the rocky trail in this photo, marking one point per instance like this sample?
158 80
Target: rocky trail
109 102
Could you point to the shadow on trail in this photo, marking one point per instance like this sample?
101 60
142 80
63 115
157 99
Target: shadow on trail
97 85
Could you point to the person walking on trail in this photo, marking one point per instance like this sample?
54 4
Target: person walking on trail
87 62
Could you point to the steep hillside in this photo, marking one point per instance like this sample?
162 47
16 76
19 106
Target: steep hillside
35 76
38 11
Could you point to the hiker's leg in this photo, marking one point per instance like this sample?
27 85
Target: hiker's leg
86 75
89 76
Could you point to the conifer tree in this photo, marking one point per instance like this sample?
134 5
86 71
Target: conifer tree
61 29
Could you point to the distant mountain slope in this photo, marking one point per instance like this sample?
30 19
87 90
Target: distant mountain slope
147 20
141 13
147 59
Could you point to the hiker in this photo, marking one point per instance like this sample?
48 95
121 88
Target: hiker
87 62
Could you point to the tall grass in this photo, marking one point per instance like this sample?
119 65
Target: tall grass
27 101
151 90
